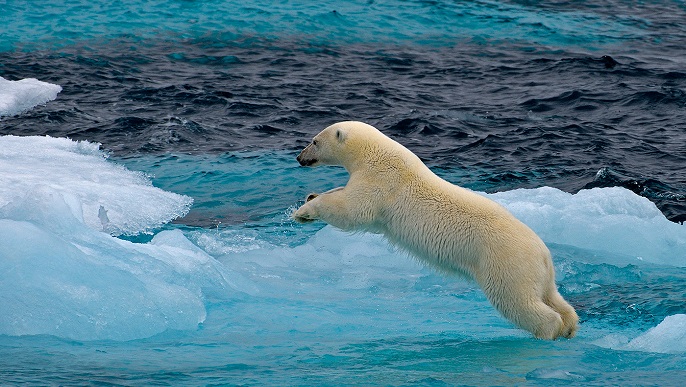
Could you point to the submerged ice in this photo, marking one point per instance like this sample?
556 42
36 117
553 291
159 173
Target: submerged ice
19 96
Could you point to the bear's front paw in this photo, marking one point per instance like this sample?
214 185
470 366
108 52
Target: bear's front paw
310 197
301 215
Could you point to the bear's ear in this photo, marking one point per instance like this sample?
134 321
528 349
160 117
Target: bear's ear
340 135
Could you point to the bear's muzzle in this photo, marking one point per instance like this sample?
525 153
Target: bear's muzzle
303 159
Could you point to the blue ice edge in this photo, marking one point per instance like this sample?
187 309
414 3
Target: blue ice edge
66 273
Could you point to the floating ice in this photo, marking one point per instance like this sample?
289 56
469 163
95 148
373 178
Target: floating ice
19 96
340 285
70 281
105 195
667 337
62 275
613 220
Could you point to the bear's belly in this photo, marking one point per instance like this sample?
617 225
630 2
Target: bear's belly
448 252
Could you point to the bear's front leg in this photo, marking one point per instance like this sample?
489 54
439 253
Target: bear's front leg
306 212
341 208
309 211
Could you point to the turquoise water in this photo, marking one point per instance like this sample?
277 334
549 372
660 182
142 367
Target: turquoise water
48 23
167 257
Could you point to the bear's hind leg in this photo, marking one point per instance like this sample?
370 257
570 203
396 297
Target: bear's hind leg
569 317
541 320
529 313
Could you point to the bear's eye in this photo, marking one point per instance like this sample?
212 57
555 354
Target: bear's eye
314 142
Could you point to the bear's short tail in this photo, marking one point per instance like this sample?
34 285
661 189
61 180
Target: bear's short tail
570 319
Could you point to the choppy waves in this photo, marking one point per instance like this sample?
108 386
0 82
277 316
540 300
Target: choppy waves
513 117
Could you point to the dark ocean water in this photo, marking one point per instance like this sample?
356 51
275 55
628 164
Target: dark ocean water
514 114
213 100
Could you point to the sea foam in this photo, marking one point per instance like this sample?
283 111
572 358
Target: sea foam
19 96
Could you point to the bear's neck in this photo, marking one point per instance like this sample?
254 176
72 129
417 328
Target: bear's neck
392 165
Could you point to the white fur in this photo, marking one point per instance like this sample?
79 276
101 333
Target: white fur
392 192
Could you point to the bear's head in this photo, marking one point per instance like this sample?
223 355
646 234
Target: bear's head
339 144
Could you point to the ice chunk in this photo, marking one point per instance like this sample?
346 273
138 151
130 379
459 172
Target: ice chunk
613 220
353 284
185 257
667 337
103 194
22 95
63 276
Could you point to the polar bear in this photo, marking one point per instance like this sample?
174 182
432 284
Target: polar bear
390 191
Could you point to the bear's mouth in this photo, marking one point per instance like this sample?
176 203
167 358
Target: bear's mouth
305 162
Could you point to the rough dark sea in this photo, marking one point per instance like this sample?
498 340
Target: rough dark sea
145 235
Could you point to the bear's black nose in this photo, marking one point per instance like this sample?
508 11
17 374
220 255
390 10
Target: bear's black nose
303 161
306 162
